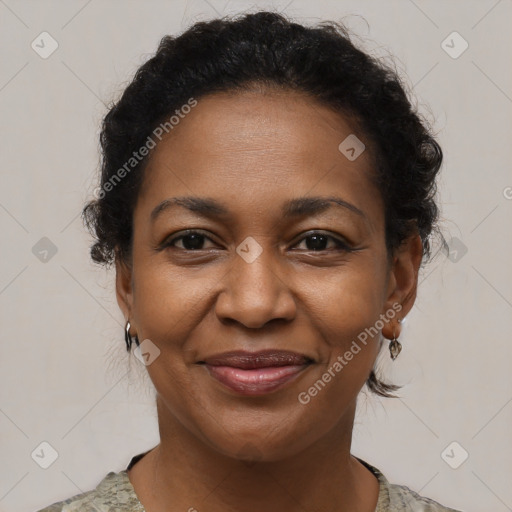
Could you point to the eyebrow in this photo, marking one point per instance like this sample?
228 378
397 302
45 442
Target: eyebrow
292 208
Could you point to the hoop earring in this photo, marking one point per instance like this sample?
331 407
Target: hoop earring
394 346
129 339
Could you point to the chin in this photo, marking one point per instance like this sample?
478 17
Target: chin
259 444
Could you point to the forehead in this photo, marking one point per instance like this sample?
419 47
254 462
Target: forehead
259 123
259 146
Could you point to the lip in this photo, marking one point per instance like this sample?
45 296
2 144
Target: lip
261 359
256 373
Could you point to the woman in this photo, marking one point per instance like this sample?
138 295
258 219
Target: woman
267 200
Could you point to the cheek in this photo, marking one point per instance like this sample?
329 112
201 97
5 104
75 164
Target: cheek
345 302
168 300
167 304
346 306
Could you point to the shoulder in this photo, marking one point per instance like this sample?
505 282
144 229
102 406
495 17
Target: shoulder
113 494
403 498
399 498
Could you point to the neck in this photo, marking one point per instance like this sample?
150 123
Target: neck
191 475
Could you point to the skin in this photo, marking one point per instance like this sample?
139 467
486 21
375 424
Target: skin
220 451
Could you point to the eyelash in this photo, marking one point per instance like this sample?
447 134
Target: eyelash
340 245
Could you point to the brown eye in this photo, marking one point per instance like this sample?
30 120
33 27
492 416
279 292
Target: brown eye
191 241
319 242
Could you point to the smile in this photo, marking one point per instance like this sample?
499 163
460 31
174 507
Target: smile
258 373
255 382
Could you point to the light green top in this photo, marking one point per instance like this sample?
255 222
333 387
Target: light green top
115 493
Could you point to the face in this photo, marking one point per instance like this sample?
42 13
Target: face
266 268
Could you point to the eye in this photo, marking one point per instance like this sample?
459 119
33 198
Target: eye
318 242
191 240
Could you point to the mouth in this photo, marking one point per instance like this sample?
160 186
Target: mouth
256 373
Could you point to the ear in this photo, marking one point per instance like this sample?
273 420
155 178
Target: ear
124 287
403 282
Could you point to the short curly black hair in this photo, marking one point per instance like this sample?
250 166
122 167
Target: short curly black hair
267 49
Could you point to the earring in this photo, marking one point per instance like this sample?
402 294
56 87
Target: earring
395 346
129 339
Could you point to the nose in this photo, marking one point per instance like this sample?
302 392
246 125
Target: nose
255 293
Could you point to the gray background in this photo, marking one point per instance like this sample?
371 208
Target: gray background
65 376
